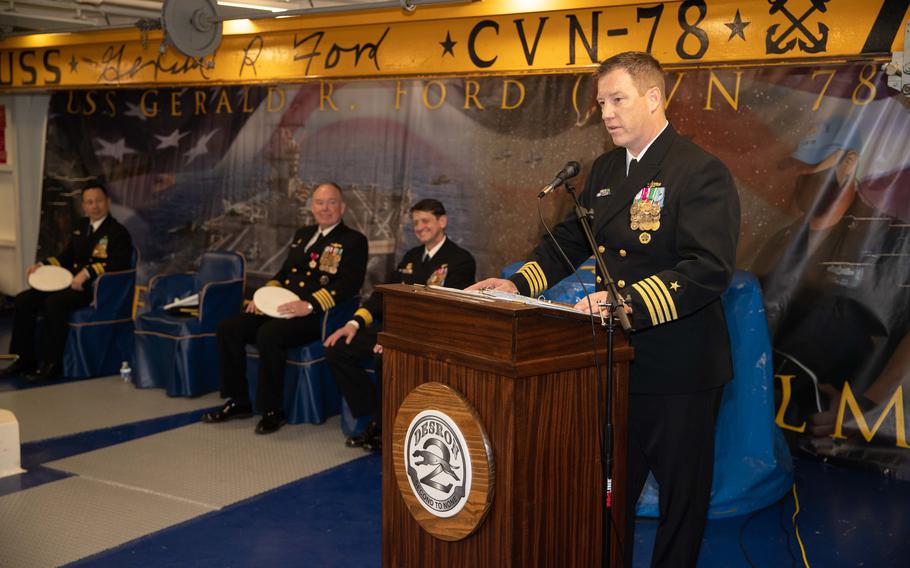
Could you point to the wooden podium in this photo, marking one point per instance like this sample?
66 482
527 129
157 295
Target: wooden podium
529 372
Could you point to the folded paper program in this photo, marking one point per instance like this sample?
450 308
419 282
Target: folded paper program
183 302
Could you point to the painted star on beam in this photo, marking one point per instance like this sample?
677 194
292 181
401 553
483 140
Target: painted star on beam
114 150
200 148
74 64
737 27
448 45
172 140
134 110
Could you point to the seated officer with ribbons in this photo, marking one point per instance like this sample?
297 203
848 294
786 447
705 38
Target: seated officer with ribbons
98 244
436 261
326 264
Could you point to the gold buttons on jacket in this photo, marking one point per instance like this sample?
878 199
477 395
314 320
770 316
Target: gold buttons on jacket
287 281
601 249
294 269
621 283
622 252
599 279
301 284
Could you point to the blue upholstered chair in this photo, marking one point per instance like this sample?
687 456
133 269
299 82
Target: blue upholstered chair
568 290
752 465
180 353
100 335
310 393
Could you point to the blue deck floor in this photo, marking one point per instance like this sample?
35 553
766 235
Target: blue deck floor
847 518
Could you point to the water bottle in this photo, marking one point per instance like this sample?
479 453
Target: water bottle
125 372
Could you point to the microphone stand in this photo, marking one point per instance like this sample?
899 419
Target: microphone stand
615 306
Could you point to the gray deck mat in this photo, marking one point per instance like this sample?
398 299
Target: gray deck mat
129 490
70 408
64 521
215 464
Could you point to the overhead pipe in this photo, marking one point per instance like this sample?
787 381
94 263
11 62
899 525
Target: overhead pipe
139 4
408 5
404 5
79 7
39 17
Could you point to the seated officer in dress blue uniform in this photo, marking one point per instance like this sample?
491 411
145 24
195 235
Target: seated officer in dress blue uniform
325 265
98 244
436 261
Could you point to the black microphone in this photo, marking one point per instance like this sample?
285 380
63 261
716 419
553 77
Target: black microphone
568 172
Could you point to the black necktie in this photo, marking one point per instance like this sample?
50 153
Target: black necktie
632 165
426 258
318 236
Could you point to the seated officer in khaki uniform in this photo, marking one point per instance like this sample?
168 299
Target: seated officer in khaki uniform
325 266
97 245
436 261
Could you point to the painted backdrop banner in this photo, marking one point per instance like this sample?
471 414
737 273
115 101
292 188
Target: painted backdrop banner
818 153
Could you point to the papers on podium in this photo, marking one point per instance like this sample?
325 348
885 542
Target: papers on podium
183 302
509 297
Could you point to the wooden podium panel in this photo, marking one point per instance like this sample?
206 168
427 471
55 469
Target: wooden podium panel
529 374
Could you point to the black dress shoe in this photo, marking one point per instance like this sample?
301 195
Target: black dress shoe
229 411
272 421
45 372
358 440
374 444
19 367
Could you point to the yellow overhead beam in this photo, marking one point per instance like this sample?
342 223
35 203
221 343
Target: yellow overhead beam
486 37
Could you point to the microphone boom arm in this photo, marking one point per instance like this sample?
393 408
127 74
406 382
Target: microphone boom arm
614 299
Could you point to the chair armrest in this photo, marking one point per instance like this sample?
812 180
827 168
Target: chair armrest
218 300
166 288
113 295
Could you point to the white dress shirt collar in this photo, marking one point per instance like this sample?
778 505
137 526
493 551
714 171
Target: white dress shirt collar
630 156
432 252
96 224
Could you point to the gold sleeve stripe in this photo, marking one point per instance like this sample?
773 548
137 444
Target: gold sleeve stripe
541 275
324 298
644 296
535 277
53 260
658 298
98 268
662 288
533 285
532 282
366 315
273 283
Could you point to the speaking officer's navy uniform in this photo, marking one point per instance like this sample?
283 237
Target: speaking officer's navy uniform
107 249
451 266
326 273
671 269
